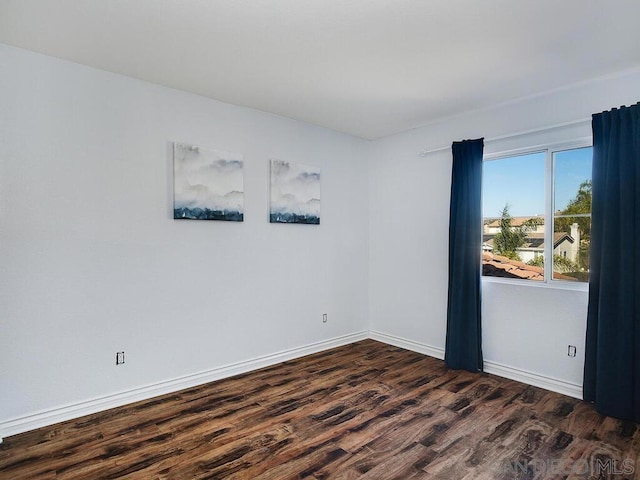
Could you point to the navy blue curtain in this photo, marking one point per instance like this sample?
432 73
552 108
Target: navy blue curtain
463 348
612 363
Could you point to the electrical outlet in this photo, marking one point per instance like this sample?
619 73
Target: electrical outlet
119 358
324 318
571 350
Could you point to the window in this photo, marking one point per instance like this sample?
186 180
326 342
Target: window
537 215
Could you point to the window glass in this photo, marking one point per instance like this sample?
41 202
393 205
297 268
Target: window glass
515 241
572 214
513 211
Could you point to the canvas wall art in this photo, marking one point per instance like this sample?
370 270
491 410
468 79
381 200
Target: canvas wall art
295 193
208 184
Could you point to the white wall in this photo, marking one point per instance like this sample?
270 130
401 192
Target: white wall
92 261
526 329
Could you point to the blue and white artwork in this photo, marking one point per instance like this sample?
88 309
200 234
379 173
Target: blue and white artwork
208 184
295 193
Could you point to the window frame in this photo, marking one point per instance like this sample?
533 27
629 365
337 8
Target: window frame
548 149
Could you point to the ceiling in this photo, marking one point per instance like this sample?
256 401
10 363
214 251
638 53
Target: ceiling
369 68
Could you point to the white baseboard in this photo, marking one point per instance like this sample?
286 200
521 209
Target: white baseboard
494 368
407 344
51 416
553 384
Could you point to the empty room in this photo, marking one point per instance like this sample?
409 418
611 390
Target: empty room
319 239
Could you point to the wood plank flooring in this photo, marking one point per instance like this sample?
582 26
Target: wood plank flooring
362 411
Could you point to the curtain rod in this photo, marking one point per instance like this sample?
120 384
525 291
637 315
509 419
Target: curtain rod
424 153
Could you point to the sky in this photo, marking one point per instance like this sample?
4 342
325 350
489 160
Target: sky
520 181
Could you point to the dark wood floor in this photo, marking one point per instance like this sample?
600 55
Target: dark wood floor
366 411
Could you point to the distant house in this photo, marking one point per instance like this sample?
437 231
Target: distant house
565 244
492 225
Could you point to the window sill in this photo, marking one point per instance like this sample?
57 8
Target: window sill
554 285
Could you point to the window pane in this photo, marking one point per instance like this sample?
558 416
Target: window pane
572 217
513 210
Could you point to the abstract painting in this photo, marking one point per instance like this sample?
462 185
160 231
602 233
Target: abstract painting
208 184
295 193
